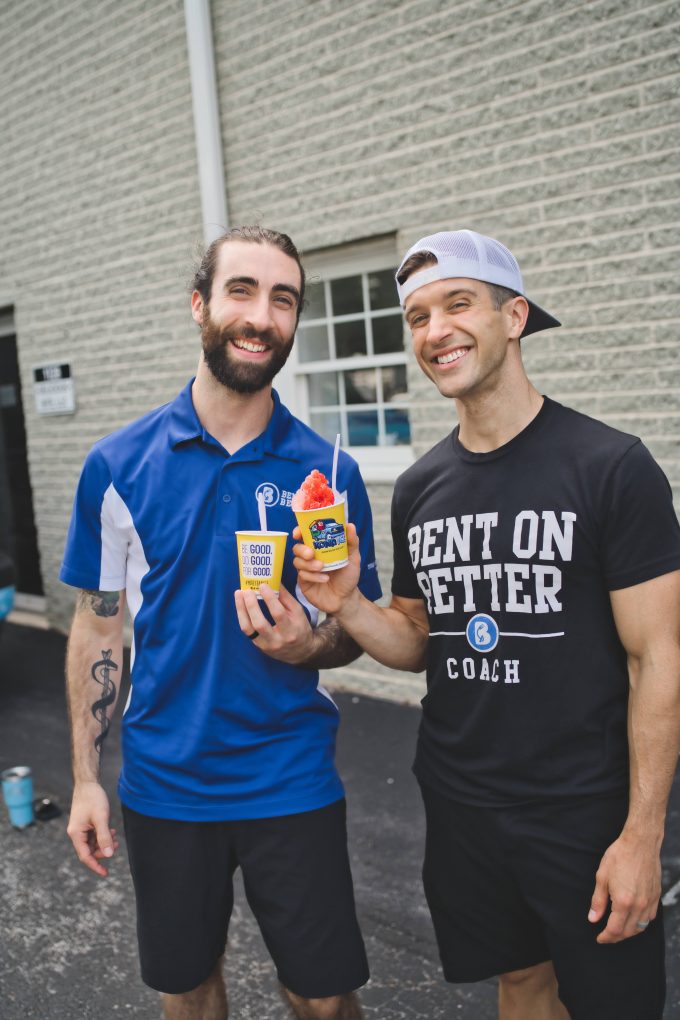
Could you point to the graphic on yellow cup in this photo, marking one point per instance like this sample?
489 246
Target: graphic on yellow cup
323 530
260 559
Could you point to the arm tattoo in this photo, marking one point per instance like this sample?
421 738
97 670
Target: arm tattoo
101 672
101 603
334 646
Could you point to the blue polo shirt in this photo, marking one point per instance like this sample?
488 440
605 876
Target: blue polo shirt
213 729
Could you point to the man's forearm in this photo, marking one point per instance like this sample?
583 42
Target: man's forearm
387 634
654 741
93 667
333 646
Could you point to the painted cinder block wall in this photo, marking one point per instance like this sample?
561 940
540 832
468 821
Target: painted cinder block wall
551 125
99 210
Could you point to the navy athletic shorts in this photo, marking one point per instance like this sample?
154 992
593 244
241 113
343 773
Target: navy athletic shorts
511 887
297 881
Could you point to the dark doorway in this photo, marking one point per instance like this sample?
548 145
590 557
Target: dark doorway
17 523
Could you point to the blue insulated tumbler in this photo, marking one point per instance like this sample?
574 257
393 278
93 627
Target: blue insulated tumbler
17 790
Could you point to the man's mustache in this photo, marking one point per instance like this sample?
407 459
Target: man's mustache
265 336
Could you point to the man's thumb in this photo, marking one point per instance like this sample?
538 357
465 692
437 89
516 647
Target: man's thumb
598 904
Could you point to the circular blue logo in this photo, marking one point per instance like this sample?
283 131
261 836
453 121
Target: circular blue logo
482 633
269 491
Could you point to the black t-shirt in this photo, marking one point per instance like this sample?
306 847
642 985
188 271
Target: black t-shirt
514 553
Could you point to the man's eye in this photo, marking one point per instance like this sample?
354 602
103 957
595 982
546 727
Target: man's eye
417 320
283 300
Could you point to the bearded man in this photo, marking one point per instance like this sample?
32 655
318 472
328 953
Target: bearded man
228 739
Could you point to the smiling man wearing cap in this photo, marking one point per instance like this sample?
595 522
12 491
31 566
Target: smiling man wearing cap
537 576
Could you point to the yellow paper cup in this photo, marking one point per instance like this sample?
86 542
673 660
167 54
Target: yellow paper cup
260 559
324 531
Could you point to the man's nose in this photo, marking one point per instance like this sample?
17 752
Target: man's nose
439 327
259 314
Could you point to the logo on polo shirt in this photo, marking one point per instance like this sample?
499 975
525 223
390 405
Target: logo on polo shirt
269 491
273 496
482 633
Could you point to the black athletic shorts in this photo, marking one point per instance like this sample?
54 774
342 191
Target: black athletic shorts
509 888
297 881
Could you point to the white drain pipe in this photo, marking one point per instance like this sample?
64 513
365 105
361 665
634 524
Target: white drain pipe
206 118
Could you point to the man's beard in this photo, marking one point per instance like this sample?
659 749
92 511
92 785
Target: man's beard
241 376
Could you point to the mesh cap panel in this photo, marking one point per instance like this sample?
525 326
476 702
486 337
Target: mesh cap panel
499 255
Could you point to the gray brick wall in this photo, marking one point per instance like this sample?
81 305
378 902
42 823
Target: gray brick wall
99 209
551 125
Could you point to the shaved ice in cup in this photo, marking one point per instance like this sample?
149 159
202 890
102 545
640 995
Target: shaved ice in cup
321 519
314 493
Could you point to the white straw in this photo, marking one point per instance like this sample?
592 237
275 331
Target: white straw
262 511
334 476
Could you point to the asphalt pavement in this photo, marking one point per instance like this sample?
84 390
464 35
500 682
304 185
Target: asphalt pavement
68 938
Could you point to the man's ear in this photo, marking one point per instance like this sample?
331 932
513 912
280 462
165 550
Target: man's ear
517 310
197 307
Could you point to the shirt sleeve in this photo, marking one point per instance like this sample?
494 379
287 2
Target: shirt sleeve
358 511
95 555
404 580
641 536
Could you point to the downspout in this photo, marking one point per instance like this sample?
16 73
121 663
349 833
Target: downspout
206 119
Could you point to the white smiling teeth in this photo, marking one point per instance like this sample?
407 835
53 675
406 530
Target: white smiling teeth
445 359
245 345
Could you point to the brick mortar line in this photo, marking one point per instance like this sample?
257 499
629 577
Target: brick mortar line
169 100
235 172
421 207
488 191
481 46
510 100
527 163
68 42
425 64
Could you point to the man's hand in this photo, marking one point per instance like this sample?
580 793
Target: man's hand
291 640
331 590
88 826
630 876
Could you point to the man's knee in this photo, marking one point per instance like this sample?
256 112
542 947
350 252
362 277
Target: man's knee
534 979
335 1007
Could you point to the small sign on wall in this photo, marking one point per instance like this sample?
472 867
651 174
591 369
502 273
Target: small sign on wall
54 390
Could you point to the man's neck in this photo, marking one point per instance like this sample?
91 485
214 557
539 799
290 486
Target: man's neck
233 419
491 420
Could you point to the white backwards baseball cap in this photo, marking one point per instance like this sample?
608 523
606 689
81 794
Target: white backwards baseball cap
465 253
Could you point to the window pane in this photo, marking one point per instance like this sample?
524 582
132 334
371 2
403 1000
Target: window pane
323 388
397 427
315 302
326 423
363 428
394 383
360 386
350 338
382 289
347 296
312 343
388 334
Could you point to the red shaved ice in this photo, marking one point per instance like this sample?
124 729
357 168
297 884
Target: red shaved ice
314 493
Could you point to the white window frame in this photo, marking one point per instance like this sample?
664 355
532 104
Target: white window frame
377 463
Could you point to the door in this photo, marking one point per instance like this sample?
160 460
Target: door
18 534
